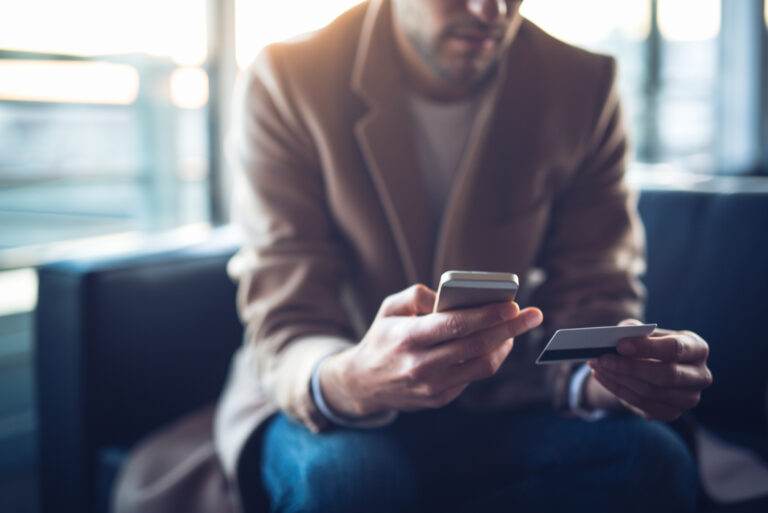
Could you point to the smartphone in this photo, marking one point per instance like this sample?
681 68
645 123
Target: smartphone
466 289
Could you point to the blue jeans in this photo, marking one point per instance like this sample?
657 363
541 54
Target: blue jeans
450 460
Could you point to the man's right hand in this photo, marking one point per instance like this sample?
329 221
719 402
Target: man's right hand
410 361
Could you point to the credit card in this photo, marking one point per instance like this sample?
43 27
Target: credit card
582 344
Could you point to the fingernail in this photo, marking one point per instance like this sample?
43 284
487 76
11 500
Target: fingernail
626 348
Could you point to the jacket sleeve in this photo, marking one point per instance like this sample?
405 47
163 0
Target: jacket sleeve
292 264
593 253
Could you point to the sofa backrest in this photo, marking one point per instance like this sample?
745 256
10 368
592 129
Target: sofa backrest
124 346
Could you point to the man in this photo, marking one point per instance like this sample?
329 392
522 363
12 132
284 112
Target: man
408 138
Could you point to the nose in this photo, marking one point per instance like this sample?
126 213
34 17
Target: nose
488 11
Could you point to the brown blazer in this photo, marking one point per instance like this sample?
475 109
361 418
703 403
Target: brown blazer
335 214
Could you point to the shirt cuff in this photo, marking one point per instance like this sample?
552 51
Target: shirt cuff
576 392
372 421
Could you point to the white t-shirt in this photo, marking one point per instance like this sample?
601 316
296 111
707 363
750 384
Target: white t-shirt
441 132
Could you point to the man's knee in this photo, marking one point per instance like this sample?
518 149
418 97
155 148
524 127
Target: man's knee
627 464
663 467
343 470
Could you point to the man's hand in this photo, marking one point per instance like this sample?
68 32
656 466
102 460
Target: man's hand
657 377
411 358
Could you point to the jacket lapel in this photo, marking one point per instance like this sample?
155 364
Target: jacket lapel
384 135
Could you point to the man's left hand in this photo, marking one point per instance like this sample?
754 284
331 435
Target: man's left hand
658 376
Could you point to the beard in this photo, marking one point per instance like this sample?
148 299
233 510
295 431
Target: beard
458 67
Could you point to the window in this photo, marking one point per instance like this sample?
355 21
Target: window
668 53
106 122
103 121
259 23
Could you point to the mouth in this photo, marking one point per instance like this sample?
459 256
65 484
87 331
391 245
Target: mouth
476 40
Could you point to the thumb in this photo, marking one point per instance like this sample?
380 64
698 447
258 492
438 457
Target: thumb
415 300
630 322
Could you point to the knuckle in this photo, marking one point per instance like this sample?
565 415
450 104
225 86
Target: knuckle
688 334
430 391
492 316
707 377
691 336
698 342
678 377
418 290
678 348
407 340
671 377
456 326
412 372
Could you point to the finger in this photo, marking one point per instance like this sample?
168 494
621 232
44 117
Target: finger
679 347
658 373
482 367
442 326
685 398
651 410
473 346
462 374
415 300
635 322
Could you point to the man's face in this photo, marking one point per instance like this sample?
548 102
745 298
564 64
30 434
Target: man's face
459 40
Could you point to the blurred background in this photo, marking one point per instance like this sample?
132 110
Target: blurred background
112 115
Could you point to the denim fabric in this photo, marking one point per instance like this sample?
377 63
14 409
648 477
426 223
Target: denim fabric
449 460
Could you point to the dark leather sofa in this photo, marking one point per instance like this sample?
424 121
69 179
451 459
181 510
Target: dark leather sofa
128 344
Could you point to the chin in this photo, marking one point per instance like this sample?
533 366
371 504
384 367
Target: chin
467 73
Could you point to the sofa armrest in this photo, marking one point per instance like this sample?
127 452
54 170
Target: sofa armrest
707 253
124 345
